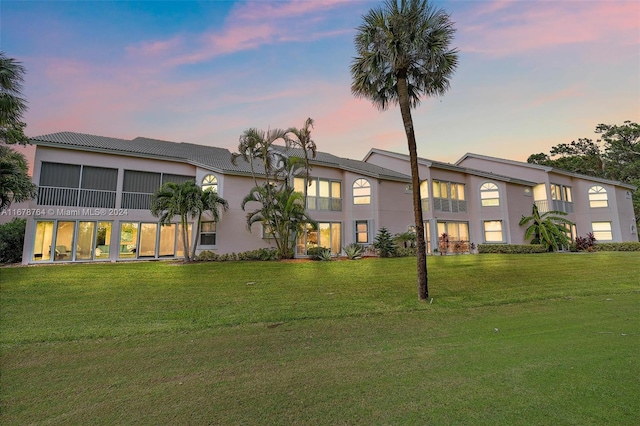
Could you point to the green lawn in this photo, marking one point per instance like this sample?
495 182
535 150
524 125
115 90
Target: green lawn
508 339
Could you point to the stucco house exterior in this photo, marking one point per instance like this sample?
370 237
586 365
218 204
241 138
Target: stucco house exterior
94 193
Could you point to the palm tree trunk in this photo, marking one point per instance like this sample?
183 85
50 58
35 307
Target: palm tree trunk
421 248
185 238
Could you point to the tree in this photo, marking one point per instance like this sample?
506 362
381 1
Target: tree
282 210
210 203
15 183
547 229
12 105
283 217
384 243
174 199
402 54
302 139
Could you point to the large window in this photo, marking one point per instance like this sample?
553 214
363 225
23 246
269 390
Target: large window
602 231
210 183
61 240
598 197
457 239
322 194
493 231
361 192
489 194
327 235
208 234
76 185
424 195
449 197
562 198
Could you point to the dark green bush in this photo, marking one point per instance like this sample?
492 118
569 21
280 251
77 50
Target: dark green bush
628 246
406 251
262 254
12 240
511 248
384 243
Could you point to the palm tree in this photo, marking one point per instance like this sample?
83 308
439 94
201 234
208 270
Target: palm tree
173 199
547 229
283 219
12 105
15 184
403 53
257 144
210 203
302 139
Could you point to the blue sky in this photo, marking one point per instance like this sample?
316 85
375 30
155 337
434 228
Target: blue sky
532 74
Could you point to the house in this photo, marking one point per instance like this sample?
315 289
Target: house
94 199
481 199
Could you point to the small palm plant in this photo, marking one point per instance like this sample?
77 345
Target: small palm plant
548 229
353 251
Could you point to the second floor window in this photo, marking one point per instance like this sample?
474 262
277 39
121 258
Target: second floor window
489 194
322 194
598 197
210 183
361 192
449 197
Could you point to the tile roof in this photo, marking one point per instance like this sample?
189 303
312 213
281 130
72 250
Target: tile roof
208 157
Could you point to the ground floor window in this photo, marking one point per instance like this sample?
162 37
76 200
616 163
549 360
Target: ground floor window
208 234
327 235
493 231
362 232
71 240
602 231
453 237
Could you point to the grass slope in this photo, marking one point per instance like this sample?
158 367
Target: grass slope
324 343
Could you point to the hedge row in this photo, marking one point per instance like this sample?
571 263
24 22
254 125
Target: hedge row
629 246
511 248
259 254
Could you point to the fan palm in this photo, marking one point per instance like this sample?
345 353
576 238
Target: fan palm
547 229
402 54
12 105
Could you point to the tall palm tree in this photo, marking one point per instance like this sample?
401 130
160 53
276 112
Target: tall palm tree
174 199
302 139
210 203
402 54
12 105
547 229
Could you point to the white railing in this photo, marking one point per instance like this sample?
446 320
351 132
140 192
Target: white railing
136 200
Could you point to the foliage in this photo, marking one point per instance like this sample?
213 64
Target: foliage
406 252
443 244
261 254
12 105
403 53
12 240
353 251
512 248
584 243
324 254
627 246
315 251
547 229
184 200
384 243
615 156
282 210
15 183
406 239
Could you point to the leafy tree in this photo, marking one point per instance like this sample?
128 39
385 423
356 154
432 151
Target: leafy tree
15 183
177 199
12 105
210 203
384 243
282 210
403 53
283 216
547 229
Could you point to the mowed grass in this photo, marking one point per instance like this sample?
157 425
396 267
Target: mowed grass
520 339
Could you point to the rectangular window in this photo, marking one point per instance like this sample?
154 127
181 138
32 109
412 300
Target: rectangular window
322 194
457 239
148 238
602 231
167 246
167 177
63 247
42 245
128 240
75 185
424 195
562 198
85 246
493 231
103 240
362 232
137 189
449 197
208 234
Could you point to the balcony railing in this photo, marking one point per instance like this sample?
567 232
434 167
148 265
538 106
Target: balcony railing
558 205
136 200
56 196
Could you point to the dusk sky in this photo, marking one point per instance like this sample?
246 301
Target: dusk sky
531 75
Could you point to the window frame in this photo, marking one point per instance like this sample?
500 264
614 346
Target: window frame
208 233
358 232
598 233
210 183
487 189
361 186
486 232
595 197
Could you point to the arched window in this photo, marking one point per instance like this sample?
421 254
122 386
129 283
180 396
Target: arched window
598 197
210 183
361 192
489 194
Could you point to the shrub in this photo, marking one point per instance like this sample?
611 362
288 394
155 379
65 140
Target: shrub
511 248
353 251
12 240
406 251
314 252
584 244
324 255
628 246
262 254
384 243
